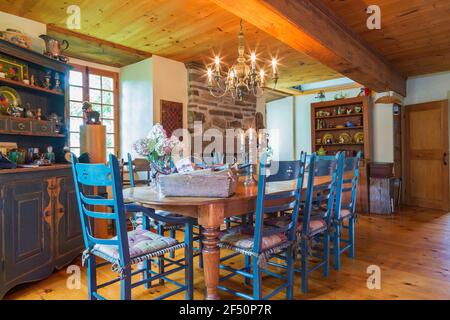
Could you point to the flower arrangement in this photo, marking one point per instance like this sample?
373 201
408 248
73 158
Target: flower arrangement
157 147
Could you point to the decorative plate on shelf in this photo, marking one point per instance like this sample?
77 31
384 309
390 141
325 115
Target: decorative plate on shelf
359 137
8 98
345 138
328 138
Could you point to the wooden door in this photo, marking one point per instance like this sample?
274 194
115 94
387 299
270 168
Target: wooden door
426 155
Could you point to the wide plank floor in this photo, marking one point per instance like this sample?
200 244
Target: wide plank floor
411 248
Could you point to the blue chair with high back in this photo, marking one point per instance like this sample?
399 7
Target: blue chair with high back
258 242
314 217
162 226
138 166
345 211
126 248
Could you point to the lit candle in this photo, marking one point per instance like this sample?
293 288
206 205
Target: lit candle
274 66
250 134
260 136
217 63
253 60
209 76
262 74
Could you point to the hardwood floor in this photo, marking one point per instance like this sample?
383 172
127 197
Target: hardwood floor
411 248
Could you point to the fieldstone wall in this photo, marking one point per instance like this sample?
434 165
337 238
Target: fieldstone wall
220 113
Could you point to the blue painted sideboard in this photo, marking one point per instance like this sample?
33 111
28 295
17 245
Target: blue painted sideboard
40 227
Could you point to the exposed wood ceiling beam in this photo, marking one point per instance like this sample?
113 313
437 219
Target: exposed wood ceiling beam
340 87
311 28
271 94
97 50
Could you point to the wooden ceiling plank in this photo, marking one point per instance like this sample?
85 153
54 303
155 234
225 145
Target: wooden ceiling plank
311 29
97 50
409 29
182 30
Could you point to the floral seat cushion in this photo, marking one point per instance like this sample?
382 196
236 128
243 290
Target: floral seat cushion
344 213
315 225
243 238
141 243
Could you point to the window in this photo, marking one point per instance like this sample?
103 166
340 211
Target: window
99 87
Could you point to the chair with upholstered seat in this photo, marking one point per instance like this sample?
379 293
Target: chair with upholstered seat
162 226
313 228
258 242
345 209
136 168
126 248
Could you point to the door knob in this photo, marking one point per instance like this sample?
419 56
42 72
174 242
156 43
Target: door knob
444 158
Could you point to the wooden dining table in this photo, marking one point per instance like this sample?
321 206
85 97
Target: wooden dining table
210 214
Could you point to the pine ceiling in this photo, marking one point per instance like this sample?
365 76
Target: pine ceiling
414 38
183 30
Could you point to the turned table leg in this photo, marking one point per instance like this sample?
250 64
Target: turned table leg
210 218
211 256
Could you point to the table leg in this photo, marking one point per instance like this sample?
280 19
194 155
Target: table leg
211 256
210 218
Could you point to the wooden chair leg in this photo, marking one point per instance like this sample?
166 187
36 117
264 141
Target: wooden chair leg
189 271
147 273
337 246
125 285
228 223
326 253
351 234
248 265
92 277
200 247
161 258
257 280
147 265
304 265
290 273
173 234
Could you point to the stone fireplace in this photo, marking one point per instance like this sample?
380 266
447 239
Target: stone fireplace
219 113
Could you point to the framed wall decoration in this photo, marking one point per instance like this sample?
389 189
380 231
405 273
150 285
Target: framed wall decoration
13 69
171 116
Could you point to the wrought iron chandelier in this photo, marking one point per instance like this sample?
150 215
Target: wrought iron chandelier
241 78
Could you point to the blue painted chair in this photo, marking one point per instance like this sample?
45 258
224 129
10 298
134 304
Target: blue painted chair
258 242
314 217
345 212
136 166
127 248
162 226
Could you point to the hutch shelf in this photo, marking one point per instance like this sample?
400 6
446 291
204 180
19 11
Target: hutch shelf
39 221
344 125
341 125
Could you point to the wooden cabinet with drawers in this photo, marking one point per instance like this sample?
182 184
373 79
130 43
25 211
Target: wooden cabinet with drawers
40 228
23 126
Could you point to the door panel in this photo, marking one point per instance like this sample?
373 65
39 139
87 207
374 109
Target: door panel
426 151
28 238
68 225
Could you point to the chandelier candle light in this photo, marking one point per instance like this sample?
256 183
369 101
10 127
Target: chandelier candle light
241 78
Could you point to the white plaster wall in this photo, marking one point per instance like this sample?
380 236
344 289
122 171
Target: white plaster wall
31 28
170 82
280 117
136 101
427 88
